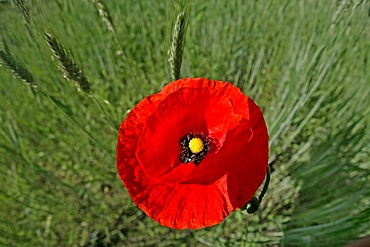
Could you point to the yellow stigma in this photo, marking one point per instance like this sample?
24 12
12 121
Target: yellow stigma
196 145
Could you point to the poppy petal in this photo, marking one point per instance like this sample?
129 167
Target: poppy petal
240 149
192 195
158 147
200 204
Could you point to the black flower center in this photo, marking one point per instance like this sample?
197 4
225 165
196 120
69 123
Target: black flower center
194 148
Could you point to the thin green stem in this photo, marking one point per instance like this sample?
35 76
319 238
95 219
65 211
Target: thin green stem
253 205
105 149
266 185
107 117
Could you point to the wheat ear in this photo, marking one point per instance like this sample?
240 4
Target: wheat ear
67 64
104 14
177 45
24 9
20 71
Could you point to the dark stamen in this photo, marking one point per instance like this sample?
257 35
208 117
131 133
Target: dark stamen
187 155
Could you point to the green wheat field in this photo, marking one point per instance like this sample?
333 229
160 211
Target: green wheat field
306 63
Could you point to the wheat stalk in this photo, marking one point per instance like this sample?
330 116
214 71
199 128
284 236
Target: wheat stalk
67 64
177 45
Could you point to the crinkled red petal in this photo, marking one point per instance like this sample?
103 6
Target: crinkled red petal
193 206
184 195
158 150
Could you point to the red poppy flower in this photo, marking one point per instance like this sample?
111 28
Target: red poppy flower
193 153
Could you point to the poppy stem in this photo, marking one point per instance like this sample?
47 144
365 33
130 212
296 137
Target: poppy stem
266 185
255 202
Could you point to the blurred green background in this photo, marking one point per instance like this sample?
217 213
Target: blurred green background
305 63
